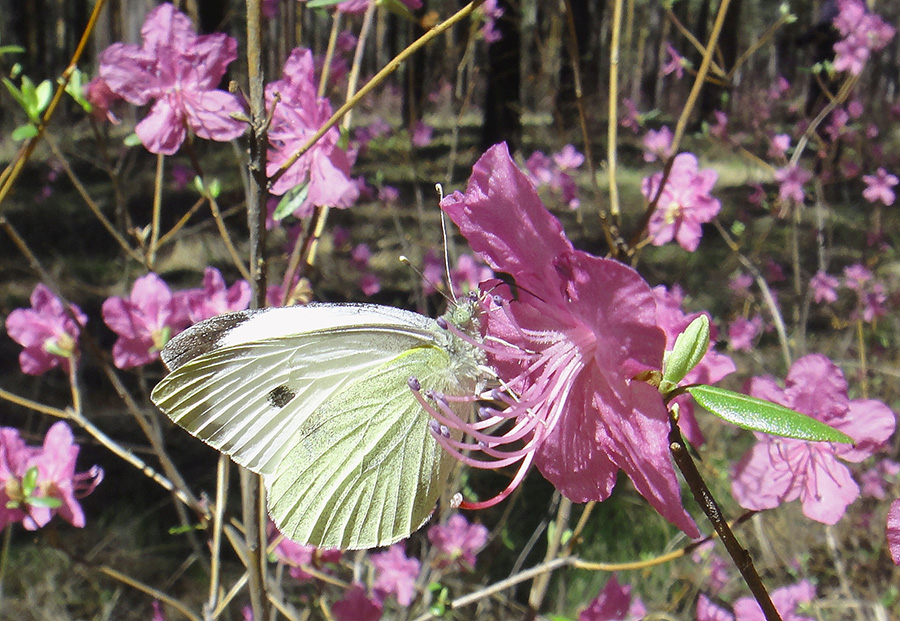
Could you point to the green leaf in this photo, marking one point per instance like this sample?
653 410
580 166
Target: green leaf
15 92
11 49
291 201
690 347
29 481
75 90
24 132
47 502
43 94
758 415
397 8
132 140
320 4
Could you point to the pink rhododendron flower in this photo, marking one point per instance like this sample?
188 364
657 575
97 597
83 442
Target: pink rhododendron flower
871 295
491 12
214 298
707 611
298 114
778 470
568 158
742 333
675 63
875 480
893 531
180 71
791 180
824 288
569 351
740 283
861 34
395 574
713 367
657 144
48 334
614 603
360 6
685 202
465 277
421 134
145 321
101 97
369 284
457 541
720 128
356 606
298 555
780 144
880 187
36 483
786 600
631 118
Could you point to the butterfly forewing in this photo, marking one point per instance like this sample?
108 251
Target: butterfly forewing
247 400
364 470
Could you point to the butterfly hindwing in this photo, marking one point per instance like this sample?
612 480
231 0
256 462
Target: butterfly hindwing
364 470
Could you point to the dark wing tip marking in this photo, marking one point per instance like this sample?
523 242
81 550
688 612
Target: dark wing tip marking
280 396
200 338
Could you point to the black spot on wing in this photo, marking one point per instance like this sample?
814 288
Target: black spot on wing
280 396
200 338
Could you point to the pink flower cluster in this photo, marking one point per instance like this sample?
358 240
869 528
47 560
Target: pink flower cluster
861 34
778 470
786 600
179 71
297 113
552 172
38 482
152 314
685 202
48 334
614 603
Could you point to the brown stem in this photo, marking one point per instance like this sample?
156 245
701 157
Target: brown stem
704 498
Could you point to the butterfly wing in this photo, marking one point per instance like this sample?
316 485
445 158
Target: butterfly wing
363 469
246 382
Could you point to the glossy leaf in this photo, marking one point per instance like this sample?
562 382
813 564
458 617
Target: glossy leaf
764 416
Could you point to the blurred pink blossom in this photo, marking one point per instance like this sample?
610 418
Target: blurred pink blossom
614 603
395 574
180 71
421 135
880 187
742 333
369 284
214 299
632 119
675 63
685 202
457 541
298 555
778 470
791 179
875 480
47 333
786 600
144 321
861 34
356 605
657 144
37 483
824 288
780 144
101 97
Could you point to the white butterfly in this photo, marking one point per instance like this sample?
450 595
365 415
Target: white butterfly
316 399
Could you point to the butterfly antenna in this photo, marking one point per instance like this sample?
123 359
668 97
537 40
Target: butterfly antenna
445 236
405 261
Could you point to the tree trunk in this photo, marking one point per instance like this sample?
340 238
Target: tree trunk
502 111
